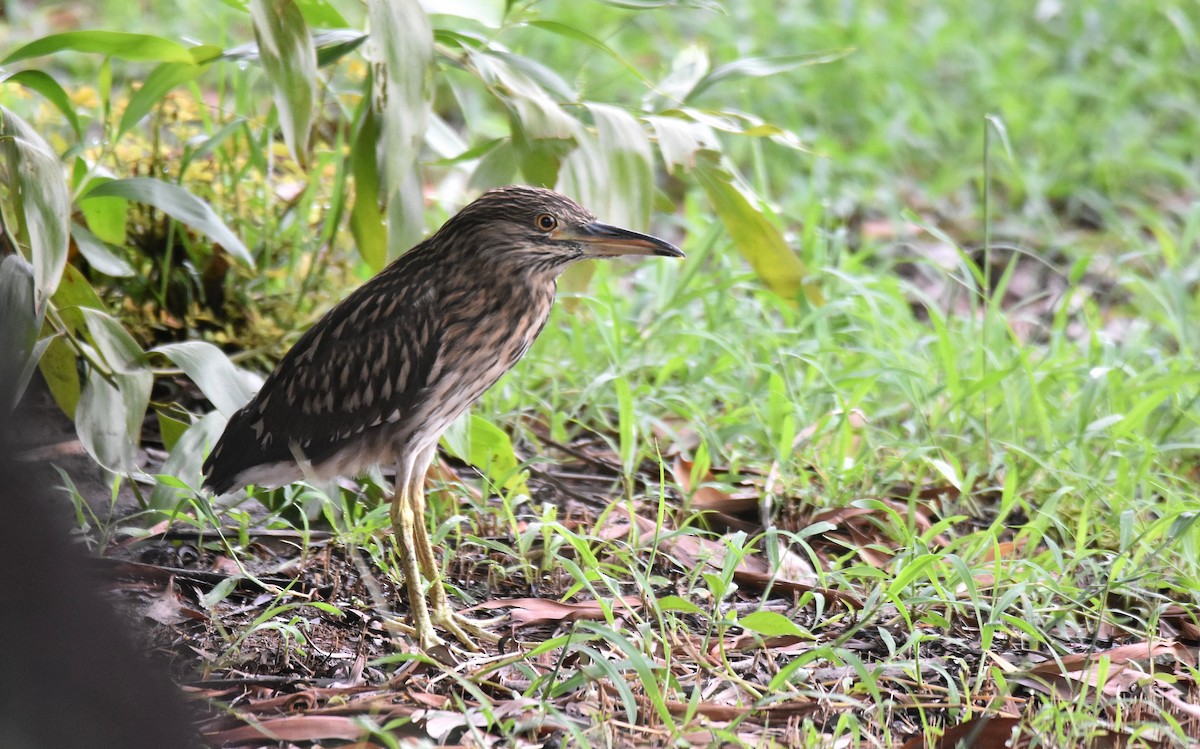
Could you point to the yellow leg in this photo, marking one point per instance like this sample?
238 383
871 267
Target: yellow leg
419 565
404 527
466 631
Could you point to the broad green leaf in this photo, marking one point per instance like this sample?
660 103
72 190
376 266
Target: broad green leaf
740 123
187 457
541 159
177 203
286 51
73 293
613 172
98 254
121 352
771 624
170 428
109 417
687 69
495 169
211 370
100 423
60 371
367 222
680 140
401 48
535 72
757 239
676 603
119 44
334 45
106 217
322 13
18 333
220 592
443 139
539 115
59 364
36 80
488 448
161 80
43 205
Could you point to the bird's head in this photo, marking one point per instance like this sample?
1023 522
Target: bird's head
541 230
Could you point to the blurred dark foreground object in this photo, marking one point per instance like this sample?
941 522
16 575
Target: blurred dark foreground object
70 675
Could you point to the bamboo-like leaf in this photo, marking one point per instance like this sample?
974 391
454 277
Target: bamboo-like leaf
630 179
334 45
322 13
495 169
109 417
443 139
687 69
771 624
162 79
211 370
44 84
757 239
288 55
401 51
43 205
367 222
73 294
680 140
180 205
187 457
489 448
59 363
540 159
121 352
100 423
611 172
119 44
539 115
740 123
761 67
19 330
107 218
98 254
60 371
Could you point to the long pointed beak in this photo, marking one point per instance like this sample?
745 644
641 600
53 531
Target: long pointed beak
603 240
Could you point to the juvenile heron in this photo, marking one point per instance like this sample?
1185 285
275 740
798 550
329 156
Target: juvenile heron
382 375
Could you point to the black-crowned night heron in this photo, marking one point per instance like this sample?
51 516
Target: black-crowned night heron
382 375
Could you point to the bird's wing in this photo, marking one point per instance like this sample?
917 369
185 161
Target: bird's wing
361 366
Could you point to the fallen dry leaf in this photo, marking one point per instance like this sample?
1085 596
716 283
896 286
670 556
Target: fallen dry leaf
529 611
977 733
293 728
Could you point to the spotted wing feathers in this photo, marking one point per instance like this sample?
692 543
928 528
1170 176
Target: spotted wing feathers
362 367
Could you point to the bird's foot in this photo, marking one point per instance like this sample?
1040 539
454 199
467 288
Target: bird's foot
464 629
468 632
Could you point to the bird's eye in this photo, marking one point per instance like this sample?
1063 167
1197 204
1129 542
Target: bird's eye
545 222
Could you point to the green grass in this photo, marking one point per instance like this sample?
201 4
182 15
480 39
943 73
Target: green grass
1026 488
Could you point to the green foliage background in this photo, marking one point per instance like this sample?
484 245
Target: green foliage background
948 244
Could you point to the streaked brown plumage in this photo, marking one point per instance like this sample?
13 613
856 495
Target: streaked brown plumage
382 375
